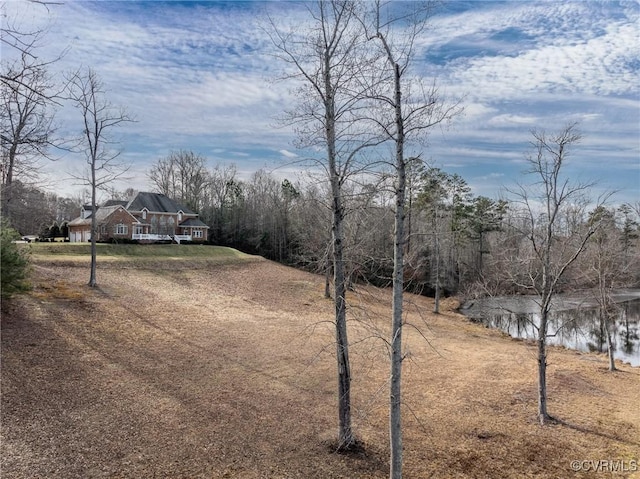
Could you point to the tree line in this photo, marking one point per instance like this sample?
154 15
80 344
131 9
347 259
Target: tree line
457 243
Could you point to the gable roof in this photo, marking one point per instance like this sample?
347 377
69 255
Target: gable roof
102 213
79 221
156 202
106 211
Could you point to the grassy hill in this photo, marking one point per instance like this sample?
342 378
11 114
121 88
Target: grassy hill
137 253
227 369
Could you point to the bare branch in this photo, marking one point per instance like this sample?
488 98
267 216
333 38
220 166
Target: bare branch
99 117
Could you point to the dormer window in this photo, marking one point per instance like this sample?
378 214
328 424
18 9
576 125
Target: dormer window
85 211
144 213
179 216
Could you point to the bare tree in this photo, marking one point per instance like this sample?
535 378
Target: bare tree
99 118
27 110
29 96
264 202
221 196
609 265
606 265
163 176
22 41
329 61
32 210
409 110
183 176
553 249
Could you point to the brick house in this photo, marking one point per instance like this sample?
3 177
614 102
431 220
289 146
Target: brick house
147 218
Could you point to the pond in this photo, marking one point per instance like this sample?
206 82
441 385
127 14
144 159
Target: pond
574 321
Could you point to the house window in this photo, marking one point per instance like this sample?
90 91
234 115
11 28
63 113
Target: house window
179 216
139 229
121 229
163 230
144 214
197 233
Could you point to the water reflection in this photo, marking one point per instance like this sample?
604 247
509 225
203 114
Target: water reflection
574 322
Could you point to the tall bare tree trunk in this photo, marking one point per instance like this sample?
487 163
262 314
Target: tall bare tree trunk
395 398
612 363
545 306
436 299
543 416
330 61
420 113
604 299
327 281
605 316
94 226
7 185
345 436
346 439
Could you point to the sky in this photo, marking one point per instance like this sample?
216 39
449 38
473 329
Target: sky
201 76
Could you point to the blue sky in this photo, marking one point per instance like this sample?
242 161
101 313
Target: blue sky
199 76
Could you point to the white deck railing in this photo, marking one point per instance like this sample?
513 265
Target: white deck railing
152 237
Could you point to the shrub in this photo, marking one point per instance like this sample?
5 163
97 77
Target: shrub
13 263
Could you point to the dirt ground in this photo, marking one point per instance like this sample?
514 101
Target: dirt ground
228 371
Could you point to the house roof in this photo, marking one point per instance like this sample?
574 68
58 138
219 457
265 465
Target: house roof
156 202
79 221
105 211
101 214
88 210
193 222
115 203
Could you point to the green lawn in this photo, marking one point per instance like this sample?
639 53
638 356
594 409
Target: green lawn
128 252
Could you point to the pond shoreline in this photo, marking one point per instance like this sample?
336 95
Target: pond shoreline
574 321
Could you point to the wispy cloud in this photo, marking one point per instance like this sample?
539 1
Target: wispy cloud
288 154
196 75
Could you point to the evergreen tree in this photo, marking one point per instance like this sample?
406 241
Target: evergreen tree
13 263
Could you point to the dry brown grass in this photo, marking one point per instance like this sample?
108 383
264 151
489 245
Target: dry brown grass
229 371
